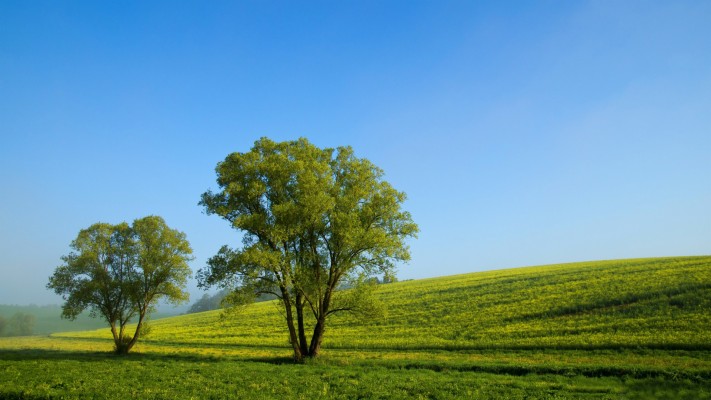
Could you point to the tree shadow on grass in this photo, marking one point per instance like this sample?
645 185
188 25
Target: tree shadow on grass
15 395
668 389
499 369
101 356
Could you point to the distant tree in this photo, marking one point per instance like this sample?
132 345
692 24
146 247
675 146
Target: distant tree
214 302
314 220
208 302
3 325
121 271
21 324
204 303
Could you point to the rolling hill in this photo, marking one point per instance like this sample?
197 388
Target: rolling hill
625 329
660 303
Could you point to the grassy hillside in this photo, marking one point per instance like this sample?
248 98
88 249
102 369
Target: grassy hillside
650 303
608 329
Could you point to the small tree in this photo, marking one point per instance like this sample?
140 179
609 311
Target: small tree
314 220
120 272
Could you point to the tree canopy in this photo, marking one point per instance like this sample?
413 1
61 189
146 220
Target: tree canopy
120 272
312 220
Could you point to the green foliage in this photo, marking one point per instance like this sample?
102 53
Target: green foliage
121 271
145 329
361 300
312 219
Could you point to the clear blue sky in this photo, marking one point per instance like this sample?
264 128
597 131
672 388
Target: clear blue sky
524 133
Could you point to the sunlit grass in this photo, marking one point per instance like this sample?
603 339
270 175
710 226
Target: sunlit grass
588 330
655 303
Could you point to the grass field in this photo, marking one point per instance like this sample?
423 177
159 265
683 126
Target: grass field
610 329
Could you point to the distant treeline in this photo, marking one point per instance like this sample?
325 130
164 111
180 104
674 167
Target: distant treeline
19 324
40 320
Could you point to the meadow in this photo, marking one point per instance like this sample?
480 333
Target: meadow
603 330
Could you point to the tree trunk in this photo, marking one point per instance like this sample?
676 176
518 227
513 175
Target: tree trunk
120 342
320 327
317 337
113 331
136 334
286 300
303 344
117 338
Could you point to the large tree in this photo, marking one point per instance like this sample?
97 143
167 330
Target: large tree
313 220
120 272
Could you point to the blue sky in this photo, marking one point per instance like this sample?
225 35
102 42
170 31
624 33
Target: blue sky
524 133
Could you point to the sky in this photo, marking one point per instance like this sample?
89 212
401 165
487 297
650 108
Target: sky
524 133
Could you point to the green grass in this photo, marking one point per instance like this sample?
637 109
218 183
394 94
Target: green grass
610 329
653 303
